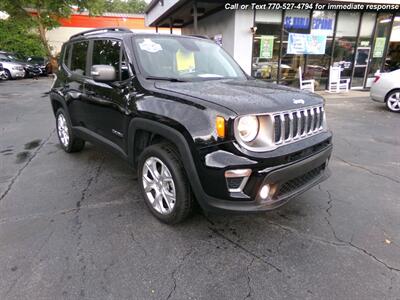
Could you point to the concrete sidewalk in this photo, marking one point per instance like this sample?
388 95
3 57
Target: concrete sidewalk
344 95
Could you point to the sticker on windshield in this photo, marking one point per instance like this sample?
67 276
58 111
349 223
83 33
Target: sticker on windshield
185 62
150 46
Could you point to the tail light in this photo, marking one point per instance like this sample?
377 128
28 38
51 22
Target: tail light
377 77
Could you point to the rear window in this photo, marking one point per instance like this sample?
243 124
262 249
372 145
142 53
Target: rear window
78 57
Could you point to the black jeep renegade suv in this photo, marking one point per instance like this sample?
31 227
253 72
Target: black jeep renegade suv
191 123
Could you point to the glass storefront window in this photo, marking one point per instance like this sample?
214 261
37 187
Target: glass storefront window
381 38
317 66
345 41
295 21
367 29
266 44
393 57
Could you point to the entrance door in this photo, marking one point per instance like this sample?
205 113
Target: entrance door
360 67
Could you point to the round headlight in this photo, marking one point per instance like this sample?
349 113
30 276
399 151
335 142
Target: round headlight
247 128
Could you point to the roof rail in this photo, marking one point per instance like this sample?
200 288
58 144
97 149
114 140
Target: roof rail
105 29
199 36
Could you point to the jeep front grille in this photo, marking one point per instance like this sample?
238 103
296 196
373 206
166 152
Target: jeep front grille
297 124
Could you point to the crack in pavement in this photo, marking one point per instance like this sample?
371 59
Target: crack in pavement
67 211
238 245
250 290
366 169
173 273
330 199
19 172
360 249
306 236
89 183
78 227
350 243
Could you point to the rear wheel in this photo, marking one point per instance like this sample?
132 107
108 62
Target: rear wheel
68 141
164 183
393 101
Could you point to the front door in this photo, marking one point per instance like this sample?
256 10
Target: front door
108 100
360 67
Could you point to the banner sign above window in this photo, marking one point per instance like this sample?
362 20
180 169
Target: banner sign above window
322 26
306 44
296 23
319 26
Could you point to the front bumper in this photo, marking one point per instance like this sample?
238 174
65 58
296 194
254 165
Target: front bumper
285 181
17 73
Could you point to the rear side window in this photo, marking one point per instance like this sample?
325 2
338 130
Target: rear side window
78 57
107 52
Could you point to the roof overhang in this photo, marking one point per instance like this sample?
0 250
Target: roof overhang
179 13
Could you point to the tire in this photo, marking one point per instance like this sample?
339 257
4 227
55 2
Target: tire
393 101
169 179
8 74
68 141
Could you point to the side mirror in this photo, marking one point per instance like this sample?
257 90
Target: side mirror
103 73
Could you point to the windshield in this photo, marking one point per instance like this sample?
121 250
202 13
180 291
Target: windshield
185 59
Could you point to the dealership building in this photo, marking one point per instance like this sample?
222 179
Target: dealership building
273 40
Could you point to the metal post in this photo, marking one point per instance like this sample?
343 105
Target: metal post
280 48
195 17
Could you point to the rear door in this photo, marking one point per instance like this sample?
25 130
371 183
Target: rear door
76 66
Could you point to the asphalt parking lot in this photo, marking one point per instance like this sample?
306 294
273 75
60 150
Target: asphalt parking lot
75 226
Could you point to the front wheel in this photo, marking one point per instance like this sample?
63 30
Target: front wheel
164 184
7 74
68 141
393 101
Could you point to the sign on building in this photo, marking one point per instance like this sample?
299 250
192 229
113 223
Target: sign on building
266 46
306 44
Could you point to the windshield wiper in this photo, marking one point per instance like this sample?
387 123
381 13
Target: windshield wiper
172 79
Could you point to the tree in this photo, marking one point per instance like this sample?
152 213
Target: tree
45 14
27 43
125 6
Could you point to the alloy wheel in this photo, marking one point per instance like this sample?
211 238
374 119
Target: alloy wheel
62 129
393 102
159 185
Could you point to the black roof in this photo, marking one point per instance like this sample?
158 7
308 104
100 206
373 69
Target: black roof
117 32
104 32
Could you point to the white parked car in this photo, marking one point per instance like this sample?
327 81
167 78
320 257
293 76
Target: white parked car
386 89
12 68
2 73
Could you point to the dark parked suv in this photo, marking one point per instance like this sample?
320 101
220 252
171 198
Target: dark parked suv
191 123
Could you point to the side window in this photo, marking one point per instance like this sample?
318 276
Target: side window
125 74
107 52
78 58
67 53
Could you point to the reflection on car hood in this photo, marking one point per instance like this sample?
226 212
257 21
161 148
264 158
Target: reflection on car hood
244 96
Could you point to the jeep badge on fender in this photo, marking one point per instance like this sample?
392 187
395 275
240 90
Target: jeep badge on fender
189 121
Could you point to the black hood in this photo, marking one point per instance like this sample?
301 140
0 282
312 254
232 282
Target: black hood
243 96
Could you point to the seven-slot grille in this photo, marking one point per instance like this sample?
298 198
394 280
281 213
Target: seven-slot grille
297 124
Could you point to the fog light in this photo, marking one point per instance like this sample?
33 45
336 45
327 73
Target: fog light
264 192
